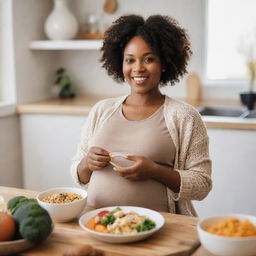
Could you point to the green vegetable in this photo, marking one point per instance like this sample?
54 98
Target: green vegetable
29 210
117 209
107 219
35 229
34 222
146 225
17 201
13 202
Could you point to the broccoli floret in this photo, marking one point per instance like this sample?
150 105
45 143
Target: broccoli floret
117 209
16 202
146 225
35 229
107 219
35 223
29 210
13 202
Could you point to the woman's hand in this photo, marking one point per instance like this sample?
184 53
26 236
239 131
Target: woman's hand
97 158
142 169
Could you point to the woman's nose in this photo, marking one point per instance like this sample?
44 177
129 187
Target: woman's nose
138 66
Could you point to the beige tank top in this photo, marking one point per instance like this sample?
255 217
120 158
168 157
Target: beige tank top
149 138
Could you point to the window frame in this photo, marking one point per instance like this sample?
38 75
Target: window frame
236 82
7 72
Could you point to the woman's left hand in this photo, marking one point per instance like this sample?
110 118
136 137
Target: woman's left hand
142 169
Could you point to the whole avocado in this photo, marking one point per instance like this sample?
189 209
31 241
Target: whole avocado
34 222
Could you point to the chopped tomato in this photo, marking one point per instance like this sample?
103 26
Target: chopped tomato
102 213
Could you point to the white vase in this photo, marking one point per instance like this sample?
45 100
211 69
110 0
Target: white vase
61 24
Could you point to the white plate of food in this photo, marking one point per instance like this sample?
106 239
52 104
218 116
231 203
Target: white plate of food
121 224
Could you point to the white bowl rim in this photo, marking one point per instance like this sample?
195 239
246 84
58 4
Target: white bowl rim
227 238
122 235
59 188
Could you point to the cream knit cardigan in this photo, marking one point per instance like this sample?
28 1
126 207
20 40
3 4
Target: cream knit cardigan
189 136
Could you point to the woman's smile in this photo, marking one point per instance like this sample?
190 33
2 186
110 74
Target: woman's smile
139 80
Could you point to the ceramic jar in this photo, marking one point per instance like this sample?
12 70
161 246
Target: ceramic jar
61 24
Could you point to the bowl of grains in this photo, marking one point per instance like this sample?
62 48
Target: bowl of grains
63 203
229 235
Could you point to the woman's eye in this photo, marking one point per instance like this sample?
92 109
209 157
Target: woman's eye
128 61
148 60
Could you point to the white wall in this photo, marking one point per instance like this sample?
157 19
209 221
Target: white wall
34 70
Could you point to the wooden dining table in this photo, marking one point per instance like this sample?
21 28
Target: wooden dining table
178 237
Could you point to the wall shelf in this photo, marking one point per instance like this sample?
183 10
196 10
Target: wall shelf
66 45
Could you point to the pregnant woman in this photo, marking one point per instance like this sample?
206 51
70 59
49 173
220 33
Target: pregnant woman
166 140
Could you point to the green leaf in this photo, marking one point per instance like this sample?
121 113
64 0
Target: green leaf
117 209
107 219
64 81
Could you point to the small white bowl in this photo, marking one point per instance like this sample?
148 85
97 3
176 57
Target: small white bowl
226 246
123 238
63 212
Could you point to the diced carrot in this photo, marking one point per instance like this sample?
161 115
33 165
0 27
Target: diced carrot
101 228
91 224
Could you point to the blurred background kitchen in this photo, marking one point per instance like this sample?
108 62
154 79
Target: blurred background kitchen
41 111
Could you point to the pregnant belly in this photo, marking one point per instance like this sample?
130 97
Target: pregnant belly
107 188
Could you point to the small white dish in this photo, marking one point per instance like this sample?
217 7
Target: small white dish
226 246
119 160
67 211
123 238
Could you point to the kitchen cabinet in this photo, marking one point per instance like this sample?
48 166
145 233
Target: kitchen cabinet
48 144
233 155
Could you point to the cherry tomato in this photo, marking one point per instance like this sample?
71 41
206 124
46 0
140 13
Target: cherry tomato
102 213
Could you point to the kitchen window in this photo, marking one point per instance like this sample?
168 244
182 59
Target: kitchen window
7 74
231 28
1 49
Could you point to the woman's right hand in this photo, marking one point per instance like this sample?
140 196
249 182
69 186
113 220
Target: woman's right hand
97 158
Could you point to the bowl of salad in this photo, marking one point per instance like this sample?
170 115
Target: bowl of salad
122 224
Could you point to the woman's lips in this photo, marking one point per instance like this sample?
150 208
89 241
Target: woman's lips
139 79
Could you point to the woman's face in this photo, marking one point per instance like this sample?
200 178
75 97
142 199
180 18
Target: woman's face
141 67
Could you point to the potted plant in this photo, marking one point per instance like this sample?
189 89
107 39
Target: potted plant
248 49
249 98
63 81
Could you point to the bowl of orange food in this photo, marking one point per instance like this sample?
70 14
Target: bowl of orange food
63 203
229 235
122 224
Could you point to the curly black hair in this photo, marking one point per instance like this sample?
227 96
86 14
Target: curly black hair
164 36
